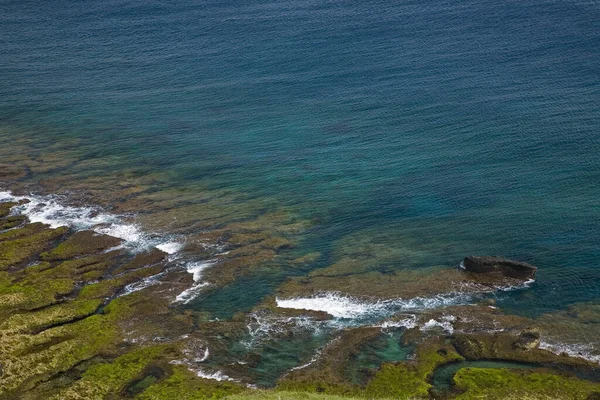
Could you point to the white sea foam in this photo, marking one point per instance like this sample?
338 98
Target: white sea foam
310 362
52 211
261 328
194 268
143 284
408 323
205 356
584 351
190 294
170 247
523 285
445 325
217 376
344 307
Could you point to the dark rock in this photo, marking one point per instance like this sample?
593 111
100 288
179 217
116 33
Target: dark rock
498 265
528 339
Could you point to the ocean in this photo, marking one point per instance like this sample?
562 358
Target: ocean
398 134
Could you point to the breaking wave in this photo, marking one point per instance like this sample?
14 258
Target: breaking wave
50 210
344 307
584 351
194 268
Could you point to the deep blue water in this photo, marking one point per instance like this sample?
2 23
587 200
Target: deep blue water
463 127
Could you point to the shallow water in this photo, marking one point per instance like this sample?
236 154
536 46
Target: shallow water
408 134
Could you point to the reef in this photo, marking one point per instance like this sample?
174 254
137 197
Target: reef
78 318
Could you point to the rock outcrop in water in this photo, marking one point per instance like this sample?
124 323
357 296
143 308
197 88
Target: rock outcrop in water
528 339
499 266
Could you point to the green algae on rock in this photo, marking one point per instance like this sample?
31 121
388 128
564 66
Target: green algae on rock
21 247
326 374
79 244
478 383
70 331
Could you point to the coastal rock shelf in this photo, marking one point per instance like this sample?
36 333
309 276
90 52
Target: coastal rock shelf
85 317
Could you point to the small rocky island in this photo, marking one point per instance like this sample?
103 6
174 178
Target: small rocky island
499 266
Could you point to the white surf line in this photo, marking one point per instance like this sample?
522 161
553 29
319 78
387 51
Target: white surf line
346 307
217 376
195 268
573 350
204 357
408 323
50 211
524 285
311 361
201 373
262 328
142 284
445 324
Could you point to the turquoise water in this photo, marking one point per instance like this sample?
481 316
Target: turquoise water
443 128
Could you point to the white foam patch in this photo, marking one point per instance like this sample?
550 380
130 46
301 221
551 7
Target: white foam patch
262 328
217 376
432 324
204 357
587 352
190 294
333 304
51 211
143 284
408 323
524 285
170 247
310 362
194 268
344 307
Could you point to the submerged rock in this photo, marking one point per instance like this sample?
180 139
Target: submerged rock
501 266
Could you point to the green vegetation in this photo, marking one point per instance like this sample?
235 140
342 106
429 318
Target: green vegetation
103 379
21 245
65 333
81 243
410 379
482 383
284 395
184 385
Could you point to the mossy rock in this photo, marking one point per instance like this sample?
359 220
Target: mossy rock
410 379
327 374
5 208
81 243
504 346
27 230
103 380
34 322
147 258
183 384
484 383
286 395
22 245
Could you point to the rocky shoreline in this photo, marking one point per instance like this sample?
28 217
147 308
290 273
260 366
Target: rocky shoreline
72 327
